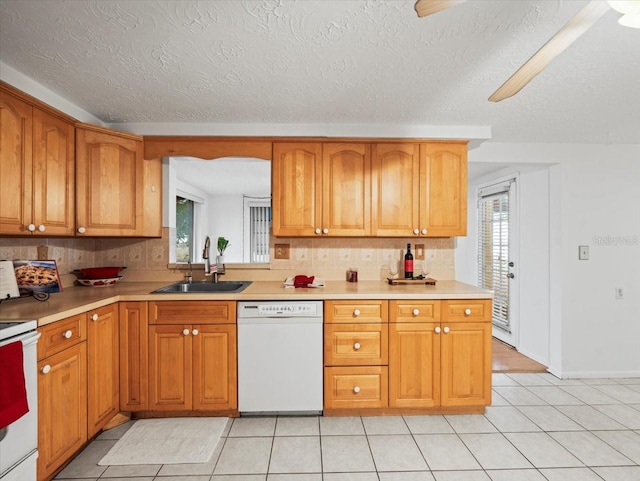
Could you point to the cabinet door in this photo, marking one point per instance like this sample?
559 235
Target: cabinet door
414 365
466 363
62 407
297 189
53 174
103 373
346 185
214 367
134 355
16 168
109 183
395 173
170 368
443 199
152 198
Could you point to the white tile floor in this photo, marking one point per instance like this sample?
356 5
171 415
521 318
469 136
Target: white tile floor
538 428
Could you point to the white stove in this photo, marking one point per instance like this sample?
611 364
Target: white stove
19 440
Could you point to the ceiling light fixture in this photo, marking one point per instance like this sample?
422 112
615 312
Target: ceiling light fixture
630 10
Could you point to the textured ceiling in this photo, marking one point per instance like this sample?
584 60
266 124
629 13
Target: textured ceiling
329 62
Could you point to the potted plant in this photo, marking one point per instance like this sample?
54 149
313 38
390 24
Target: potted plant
222 246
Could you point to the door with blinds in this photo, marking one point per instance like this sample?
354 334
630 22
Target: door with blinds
497 255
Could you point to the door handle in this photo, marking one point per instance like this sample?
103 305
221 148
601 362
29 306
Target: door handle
511 275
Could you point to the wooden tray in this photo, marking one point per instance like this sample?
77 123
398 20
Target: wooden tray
398 282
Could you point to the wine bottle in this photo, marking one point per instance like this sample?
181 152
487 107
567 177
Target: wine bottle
408 263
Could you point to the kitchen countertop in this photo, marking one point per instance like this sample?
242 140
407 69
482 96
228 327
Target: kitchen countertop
76 300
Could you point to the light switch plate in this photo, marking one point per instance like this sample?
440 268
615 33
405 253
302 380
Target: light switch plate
419 252
583 253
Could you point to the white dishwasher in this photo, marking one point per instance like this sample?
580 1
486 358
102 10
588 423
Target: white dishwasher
280 357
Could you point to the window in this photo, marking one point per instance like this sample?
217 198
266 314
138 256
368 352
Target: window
184 229
494 238
257 214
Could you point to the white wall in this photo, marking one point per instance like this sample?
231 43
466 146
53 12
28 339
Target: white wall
570 319
227 220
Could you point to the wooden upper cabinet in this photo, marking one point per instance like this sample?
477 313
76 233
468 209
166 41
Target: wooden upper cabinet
443 196
395 189
321 189
109 180
346 186
16 164
53 174
297 188
37 160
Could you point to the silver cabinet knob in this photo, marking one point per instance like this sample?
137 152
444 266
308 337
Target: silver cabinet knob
356 346
81 230
195 332
437 329
356 312
67 334
467 312
424 232
45 369
325 231
416 232
446 330
356 389
94 317
416 312
31 227
41 228
318 231
185 332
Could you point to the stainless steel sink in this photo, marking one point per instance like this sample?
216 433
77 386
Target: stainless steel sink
231 287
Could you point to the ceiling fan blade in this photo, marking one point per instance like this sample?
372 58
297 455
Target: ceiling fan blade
554 47
429 7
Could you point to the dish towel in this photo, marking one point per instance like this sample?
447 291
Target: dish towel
303 281
13 392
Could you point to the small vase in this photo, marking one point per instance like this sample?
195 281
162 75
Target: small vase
220 262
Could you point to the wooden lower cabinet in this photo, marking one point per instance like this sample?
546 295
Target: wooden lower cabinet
62 407
103 373
134 356
444 364
192 367
466 364
414 365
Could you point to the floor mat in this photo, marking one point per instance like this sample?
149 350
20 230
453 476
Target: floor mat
167 441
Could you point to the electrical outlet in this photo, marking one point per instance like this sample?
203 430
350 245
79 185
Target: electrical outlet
619 293
419 251
583 253
281 251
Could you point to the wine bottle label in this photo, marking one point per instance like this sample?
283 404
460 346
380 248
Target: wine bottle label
408 265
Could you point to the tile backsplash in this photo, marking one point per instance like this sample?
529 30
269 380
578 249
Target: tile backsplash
148 259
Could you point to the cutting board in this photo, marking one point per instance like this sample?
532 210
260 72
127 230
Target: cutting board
398 282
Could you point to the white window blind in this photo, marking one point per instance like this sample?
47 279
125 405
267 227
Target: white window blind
260 222
493 248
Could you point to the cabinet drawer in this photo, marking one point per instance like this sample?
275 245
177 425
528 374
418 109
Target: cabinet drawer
355 387
355 344
414 311
62 334
466 310
355 311
192 312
